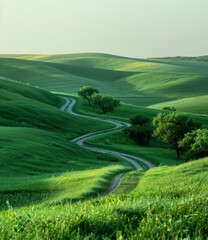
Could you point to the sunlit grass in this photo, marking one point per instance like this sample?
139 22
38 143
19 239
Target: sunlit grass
194 105
57 188
165 205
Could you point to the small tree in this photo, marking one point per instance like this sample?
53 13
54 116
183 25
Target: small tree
87 92
139 134
195 144
105 103
173 109
172 127
140 120
140 131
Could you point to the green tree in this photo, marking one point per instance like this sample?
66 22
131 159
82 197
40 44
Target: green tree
105 103
140 131
87 92
173 109
195 144
140 120
172 127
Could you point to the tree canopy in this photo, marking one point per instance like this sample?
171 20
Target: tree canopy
139 120
195 144
170 109
87 92
140 131
105 103
172 127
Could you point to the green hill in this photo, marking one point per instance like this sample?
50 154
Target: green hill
168 203
142 82
194 104
39 166
35 146
27 106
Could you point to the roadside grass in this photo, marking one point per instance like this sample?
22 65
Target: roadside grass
36 163
58 188
129 182
157 152
125 111
27 151
122 113
157 155
168 203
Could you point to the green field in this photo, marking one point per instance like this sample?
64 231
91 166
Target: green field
168 203
192 105
50 188
143 82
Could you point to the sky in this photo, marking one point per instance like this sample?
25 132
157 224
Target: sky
133 28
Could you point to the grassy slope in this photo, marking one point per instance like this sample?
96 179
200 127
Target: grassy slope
125 111
33 148
168 203
194 104
27 106
147 81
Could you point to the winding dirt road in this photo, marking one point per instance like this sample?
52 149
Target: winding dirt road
118 125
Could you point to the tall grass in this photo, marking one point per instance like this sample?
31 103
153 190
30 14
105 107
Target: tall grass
168 203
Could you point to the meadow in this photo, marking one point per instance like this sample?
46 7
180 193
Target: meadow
143 82
35 148
50 188
168 203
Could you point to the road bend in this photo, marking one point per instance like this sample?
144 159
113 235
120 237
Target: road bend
137 162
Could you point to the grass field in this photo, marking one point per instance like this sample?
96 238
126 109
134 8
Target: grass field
191 105
168 203
35 149
26 106
143 82
47 183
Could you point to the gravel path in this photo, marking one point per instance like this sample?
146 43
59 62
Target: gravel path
135 161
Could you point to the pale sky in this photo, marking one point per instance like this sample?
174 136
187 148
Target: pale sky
134 28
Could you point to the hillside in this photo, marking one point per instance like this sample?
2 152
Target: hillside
27 106
142 82
193 104
35 148
168 203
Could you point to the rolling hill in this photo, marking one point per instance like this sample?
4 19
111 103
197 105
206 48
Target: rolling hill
167 203
143 82
35 147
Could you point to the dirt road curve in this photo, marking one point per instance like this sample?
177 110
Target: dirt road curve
135 161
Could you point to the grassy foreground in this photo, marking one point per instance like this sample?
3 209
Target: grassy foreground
168 203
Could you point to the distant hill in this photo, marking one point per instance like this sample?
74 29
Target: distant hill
143 82
200 58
